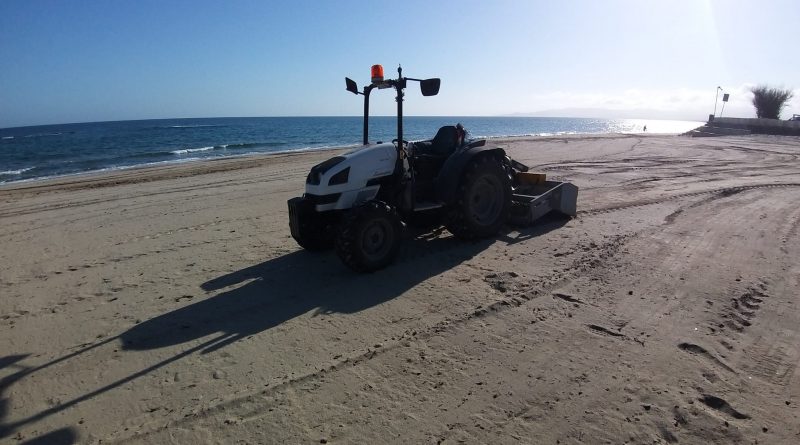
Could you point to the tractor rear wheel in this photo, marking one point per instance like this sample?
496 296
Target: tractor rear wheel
483 201
369 237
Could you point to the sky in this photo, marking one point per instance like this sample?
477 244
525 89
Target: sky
100 60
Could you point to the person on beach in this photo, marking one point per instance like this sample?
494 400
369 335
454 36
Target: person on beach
644 129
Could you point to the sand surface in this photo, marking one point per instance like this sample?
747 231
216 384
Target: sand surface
170 305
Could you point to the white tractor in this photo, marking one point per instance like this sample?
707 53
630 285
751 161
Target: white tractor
359 202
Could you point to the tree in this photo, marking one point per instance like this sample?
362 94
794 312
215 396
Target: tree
769 101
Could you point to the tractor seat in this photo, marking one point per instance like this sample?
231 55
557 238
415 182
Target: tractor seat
429 156
442 145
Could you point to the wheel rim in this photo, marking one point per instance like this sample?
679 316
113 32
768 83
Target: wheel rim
376 239
485 201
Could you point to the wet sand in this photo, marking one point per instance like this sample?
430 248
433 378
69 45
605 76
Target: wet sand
171 305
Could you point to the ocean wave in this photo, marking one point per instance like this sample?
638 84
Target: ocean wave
528 135
192 126
252 145
192 150
322 147
99 170
181 160
39 135
16 172
237 146
7 138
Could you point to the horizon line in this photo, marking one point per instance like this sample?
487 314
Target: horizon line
513 115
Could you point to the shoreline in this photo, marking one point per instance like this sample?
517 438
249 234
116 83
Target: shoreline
186 166
166 164
170 170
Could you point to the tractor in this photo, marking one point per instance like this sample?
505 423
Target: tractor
359 202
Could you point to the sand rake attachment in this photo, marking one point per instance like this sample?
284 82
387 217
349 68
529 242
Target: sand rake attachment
535 196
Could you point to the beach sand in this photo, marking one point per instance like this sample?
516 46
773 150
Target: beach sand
171 305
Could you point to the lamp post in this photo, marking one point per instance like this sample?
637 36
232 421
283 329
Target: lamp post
716 97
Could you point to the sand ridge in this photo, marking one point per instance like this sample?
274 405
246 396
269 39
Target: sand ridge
170 305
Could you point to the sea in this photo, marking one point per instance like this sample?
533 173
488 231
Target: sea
46 151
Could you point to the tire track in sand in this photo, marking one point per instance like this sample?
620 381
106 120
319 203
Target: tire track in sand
253 403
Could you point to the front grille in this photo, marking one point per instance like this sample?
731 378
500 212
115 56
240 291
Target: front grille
322 199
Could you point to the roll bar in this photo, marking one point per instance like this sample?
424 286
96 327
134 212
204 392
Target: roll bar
428 87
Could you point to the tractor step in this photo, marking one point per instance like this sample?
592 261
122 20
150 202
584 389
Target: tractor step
421 206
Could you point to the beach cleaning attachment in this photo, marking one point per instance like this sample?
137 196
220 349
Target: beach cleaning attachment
535 196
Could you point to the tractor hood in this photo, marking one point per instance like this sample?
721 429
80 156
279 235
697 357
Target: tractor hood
377 160
354 176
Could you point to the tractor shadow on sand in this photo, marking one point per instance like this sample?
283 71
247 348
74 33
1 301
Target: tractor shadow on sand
258 298
266 295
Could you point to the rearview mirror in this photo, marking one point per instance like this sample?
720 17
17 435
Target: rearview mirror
430 87
351 85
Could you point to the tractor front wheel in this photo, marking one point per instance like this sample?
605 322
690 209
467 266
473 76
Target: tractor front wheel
369 237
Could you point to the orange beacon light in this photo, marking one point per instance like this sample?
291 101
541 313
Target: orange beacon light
377 73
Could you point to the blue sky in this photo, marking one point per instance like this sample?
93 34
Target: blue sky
64 61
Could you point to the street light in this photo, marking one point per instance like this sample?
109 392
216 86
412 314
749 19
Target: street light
716 97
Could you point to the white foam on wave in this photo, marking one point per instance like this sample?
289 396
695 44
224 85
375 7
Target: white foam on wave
193 126
38 135
6 138
528 135
320 148
15 172
103 170
191 150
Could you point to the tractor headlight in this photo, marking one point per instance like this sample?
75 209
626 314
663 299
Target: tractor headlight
340 178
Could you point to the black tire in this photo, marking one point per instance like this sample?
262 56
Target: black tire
483 200
369 237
